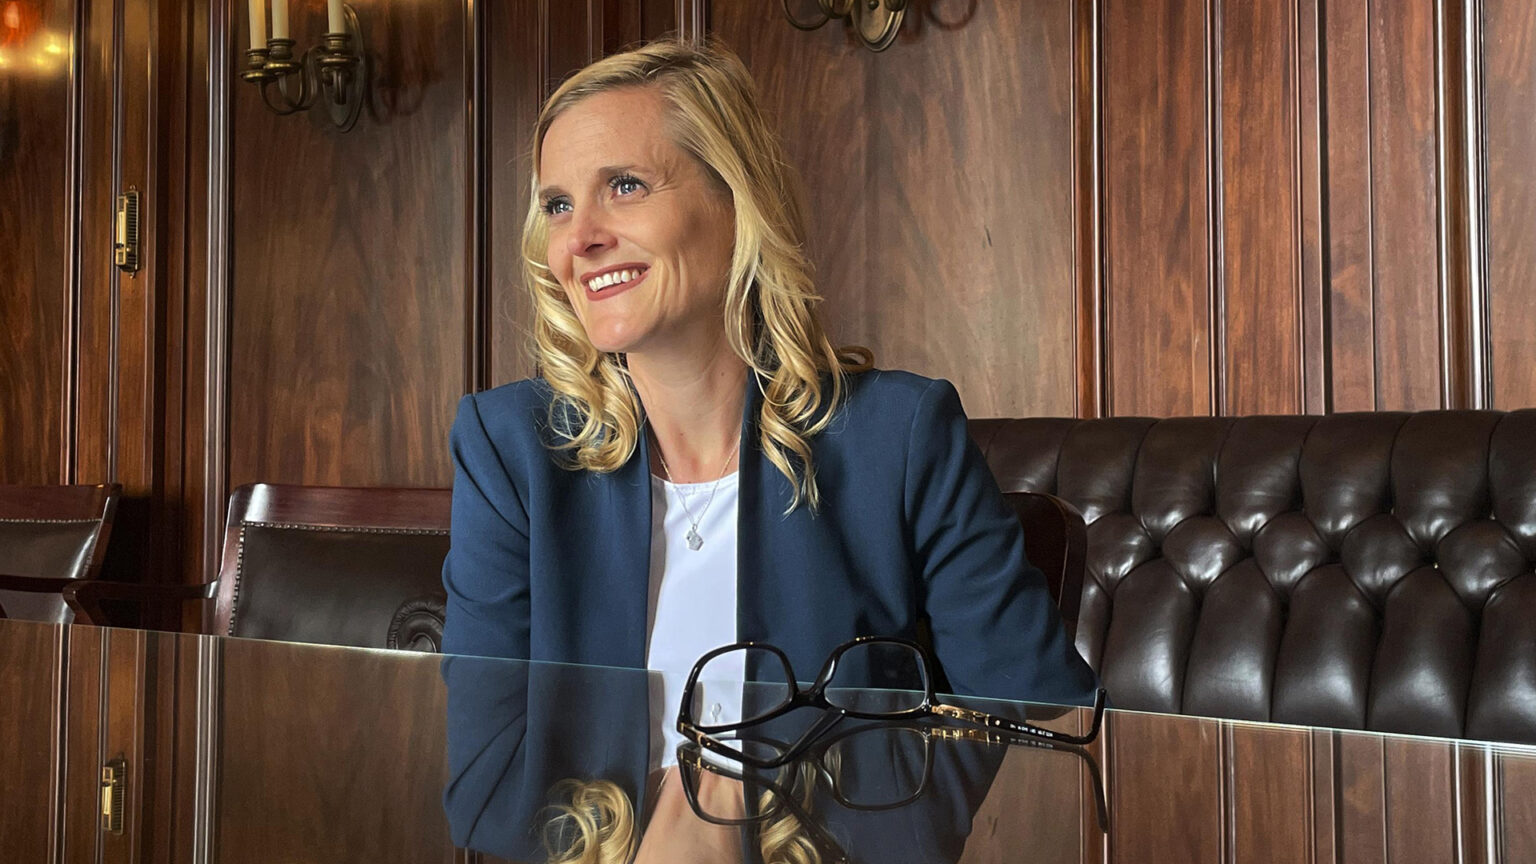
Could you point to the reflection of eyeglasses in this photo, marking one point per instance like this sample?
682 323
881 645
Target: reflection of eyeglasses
870 678
868 768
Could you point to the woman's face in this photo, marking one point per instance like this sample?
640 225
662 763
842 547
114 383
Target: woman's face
639 236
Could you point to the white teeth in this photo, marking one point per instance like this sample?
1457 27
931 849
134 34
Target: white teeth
610 279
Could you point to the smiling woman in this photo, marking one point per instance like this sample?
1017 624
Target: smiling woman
696 463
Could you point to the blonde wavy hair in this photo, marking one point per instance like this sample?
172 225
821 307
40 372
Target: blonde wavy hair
593 822
770 296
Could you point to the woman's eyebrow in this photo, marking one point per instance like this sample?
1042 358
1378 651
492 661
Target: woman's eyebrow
606 173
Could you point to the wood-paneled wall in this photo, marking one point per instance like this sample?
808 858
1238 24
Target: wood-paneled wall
1270 207
1091 207
35 223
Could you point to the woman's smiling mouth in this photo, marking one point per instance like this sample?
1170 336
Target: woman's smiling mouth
615 282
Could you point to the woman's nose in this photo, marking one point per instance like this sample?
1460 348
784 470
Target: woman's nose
589 232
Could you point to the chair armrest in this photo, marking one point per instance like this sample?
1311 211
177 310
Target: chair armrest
32 584
1056 541
85 596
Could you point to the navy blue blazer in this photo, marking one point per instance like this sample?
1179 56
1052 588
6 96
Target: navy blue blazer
548 563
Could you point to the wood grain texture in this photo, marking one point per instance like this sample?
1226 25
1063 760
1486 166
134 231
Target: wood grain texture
939 188
96 388
80 771
1181 821
1260 217
31 676
361 771
128 693
1420 814
36 221
1404 201
1157 225
348 283
1269 793
1509 66
1351 254
1515 805
1088 209
816 89
515 89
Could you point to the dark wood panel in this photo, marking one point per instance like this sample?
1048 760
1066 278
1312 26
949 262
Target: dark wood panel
31 677
1033 804
98 320
1260 216
1157 226
35 220
1399 802
1315 370
127 690
965 274
1088 210
971 258
348 287
1509 68
1351 254
81 769
1362 795
1404 205
137 299
1515 804
1269 793
514 91
361 772
816 89
574 37
1420 813
1183 821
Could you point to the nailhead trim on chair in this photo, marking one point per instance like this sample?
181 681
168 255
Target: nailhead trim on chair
234 600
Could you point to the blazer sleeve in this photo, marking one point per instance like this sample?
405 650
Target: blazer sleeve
486 576
995 629
486 573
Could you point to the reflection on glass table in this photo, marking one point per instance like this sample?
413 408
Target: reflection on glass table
814 791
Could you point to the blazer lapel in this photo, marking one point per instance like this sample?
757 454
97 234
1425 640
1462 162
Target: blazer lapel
628 566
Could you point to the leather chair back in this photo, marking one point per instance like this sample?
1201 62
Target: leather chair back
1056 541
1354 570
53 532
338 566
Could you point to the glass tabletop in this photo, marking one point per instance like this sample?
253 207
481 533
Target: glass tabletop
178 747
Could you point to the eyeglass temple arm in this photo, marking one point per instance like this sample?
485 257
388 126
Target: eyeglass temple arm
992 721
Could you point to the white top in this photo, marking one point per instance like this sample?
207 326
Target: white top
692 605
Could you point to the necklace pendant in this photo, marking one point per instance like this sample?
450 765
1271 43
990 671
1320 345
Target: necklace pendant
693 538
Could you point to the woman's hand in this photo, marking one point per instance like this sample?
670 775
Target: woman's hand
676 835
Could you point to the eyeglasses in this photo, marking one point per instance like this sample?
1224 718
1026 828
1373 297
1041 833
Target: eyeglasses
870 678
882 766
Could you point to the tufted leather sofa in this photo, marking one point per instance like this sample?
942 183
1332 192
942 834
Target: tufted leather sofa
1354 570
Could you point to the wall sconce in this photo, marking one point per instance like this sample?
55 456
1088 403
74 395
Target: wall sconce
336 71
875 21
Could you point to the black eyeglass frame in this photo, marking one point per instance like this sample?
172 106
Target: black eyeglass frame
815 697
691 755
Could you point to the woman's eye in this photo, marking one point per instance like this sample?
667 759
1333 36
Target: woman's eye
551 207
623 181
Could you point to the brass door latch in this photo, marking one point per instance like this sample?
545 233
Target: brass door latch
125 246
114 783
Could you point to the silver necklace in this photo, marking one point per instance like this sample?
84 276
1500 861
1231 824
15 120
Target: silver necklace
696 540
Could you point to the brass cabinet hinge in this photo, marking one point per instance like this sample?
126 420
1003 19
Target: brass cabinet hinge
114 783
125 246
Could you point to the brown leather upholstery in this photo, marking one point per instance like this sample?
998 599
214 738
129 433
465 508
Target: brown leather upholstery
328 565
1355 570
51 533
338 566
